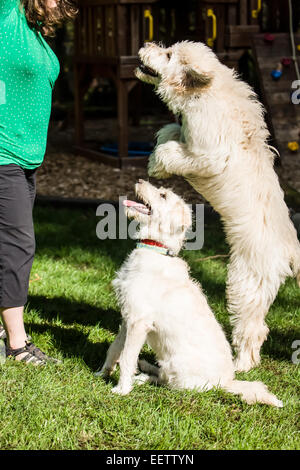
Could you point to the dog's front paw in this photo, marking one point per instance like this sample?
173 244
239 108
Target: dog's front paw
156 168
165 154
118 390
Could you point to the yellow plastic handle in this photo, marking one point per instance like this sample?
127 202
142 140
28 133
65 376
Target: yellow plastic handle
255 12
148 15
210 41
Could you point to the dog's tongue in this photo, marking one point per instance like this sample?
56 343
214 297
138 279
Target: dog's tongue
129 203
136 205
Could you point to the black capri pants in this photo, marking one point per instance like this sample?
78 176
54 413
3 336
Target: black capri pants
17 240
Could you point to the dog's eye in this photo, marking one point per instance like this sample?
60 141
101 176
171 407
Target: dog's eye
169 55
163 195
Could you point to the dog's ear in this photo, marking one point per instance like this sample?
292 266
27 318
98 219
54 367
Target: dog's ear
192 79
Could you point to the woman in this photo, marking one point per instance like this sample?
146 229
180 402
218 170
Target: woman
28 71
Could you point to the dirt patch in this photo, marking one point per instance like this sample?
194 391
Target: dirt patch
65 174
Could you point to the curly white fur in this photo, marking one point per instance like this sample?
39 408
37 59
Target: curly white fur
163 306
222 150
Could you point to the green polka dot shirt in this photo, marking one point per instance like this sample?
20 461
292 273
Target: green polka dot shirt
28 71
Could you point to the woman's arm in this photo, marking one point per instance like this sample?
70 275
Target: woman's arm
6 6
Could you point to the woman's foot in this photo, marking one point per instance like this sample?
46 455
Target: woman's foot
30 354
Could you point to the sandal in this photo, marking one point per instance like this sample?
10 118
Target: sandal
34 355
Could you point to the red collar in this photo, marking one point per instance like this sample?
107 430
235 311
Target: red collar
147 241
153 245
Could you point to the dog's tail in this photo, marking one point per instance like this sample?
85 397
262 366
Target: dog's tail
148 368
253 392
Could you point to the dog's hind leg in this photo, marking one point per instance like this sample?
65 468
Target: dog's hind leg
249 300
249 333
113 353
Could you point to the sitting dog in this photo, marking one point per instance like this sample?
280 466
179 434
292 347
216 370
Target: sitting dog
221 150
163 306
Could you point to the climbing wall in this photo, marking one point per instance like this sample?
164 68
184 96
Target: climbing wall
283 116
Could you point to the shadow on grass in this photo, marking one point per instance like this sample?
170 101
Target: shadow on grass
75 312
69 340
73 343
279 344
286 303
58 230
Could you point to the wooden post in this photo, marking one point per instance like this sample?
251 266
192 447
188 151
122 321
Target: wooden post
122 91
243 12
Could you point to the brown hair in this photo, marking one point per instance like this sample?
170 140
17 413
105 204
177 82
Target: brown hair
45 19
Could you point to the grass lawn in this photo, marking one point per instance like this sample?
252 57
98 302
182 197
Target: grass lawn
72 314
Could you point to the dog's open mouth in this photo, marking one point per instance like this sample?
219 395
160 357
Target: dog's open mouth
139 207
147 70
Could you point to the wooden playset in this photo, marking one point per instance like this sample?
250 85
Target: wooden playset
279 87
109 34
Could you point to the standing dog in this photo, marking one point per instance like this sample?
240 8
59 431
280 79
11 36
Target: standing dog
163 306
222 150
